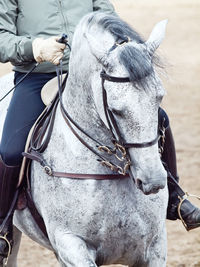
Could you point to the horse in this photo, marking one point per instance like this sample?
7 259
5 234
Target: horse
119 219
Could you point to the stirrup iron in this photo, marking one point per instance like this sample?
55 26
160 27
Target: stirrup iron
182 199
9 248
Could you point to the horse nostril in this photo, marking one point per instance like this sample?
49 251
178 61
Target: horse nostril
139 184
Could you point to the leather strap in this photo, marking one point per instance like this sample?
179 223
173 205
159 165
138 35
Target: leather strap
34 155
109 78
10 212
43 128
89 176
142 145
173 181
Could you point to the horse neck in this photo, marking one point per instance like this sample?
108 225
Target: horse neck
78 97
79 104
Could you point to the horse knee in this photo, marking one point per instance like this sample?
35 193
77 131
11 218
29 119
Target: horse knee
73 251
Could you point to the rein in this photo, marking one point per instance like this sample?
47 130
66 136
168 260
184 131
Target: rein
20 81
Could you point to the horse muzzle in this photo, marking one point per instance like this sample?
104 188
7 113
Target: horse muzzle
152 186
148 189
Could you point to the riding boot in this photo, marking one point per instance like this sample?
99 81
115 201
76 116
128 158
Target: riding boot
8 197
190 214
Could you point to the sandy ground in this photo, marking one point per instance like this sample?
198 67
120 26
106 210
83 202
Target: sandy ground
181 50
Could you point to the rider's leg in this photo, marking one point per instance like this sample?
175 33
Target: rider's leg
189 212
25 106
8 183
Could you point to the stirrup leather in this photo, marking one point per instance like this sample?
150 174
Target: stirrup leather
9 247
182 199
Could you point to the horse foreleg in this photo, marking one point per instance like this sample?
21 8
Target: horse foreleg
73 251
158 251
12 261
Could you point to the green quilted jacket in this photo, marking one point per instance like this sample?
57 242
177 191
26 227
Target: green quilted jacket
21 21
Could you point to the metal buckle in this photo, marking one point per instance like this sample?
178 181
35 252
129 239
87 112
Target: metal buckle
122 150
105 149
124 170
109 165
116 168
48 170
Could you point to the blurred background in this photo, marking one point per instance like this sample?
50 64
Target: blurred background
180 52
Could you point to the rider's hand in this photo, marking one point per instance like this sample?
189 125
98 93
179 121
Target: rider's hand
48 50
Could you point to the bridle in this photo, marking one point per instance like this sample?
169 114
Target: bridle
116 158
120 150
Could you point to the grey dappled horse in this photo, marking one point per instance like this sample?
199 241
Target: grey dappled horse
95 222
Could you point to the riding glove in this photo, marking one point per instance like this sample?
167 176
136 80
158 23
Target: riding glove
48 50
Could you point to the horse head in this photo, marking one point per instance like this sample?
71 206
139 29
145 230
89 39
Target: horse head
133 90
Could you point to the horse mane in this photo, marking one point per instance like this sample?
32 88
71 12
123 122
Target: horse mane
137 62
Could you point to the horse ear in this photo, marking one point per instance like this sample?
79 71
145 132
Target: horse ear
156 37
96 48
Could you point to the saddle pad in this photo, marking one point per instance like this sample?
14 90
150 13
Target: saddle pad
49 91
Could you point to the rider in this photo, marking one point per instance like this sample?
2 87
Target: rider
28 34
